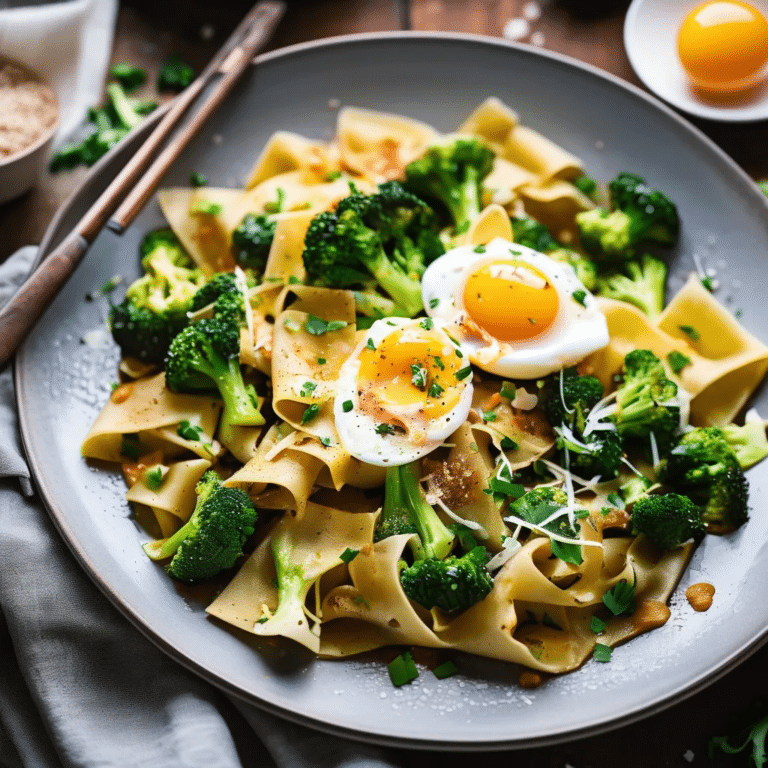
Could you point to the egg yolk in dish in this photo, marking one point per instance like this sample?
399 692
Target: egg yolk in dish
511 300
404 374
723 46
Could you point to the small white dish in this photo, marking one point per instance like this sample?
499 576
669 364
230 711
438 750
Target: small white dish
650 39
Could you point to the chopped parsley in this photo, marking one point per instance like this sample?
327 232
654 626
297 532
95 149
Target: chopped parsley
130 447
508 444
677 360
508 390
439 362
332 175
489 415
310 412
321 361
370 345
206 207
419 376
580 296
317 326
154 477
597 625
480 249
620 598
198 179
433 303
277 205
325 441
348 555
403 669
689 330
435 390
462 373
444 670
308 388
189 431
427 323
505 488
602 653
347 406
385 429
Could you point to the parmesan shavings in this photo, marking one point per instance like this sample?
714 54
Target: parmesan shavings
510 546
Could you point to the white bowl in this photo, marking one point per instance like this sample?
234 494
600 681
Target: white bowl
20 171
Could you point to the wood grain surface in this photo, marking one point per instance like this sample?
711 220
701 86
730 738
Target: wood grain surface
148 31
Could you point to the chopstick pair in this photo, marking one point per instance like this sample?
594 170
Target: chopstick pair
125 196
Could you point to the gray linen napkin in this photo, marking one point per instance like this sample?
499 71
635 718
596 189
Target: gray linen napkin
80 687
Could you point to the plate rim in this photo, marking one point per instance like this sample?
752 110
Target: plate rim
47 496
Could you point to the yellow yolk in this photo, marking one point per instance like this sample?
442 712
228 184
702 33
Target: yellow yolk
511 300
723 46
411 375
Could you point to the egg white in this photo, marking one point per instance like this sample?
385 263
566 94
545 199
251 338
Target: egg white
357 429
577 330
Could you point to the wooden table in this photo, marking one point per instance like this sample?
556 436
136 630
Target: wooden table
591 31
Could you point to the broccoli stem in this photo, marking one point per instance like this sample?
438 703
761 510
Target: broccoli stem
464 201
125 111
239 407
405 291
436 541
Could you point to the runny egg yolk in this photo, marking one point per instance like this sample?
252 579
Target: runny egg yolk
511 300
723 46
407 375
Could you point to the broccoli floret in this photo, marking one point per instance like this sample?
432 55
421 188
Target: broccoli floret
647 401
174 74
436 578
530 233
155 306
639 215
599 454
537 507
453 584
205 356
213 537
252 240
128 76
452 172
748 442
704 467
109 123
669 520
586 270
221 284
385 239
634 489
570 403
640 282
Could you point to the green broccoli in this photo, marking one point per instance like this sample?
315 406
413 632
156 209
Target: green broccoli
109 124
453 584
668 520
174 75
452 172
647 402
385 239
205 356
748 442
588 452
641 282
155 306
634 489
223 284
568 398
212 539
704 467
539 508
436 577
639 216
129 76
252 240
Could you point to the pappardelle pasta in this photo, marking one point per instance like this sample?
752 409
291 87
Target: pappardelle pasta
415 389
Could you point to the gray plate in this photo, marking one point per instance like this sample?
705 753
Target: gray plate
62 384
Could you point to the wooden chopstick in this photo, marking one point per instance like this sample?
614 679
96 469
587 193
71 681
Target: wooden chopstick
135 183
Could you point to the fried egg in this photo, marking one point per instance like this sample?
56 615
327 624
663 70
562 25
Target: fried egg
405 388
515 311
